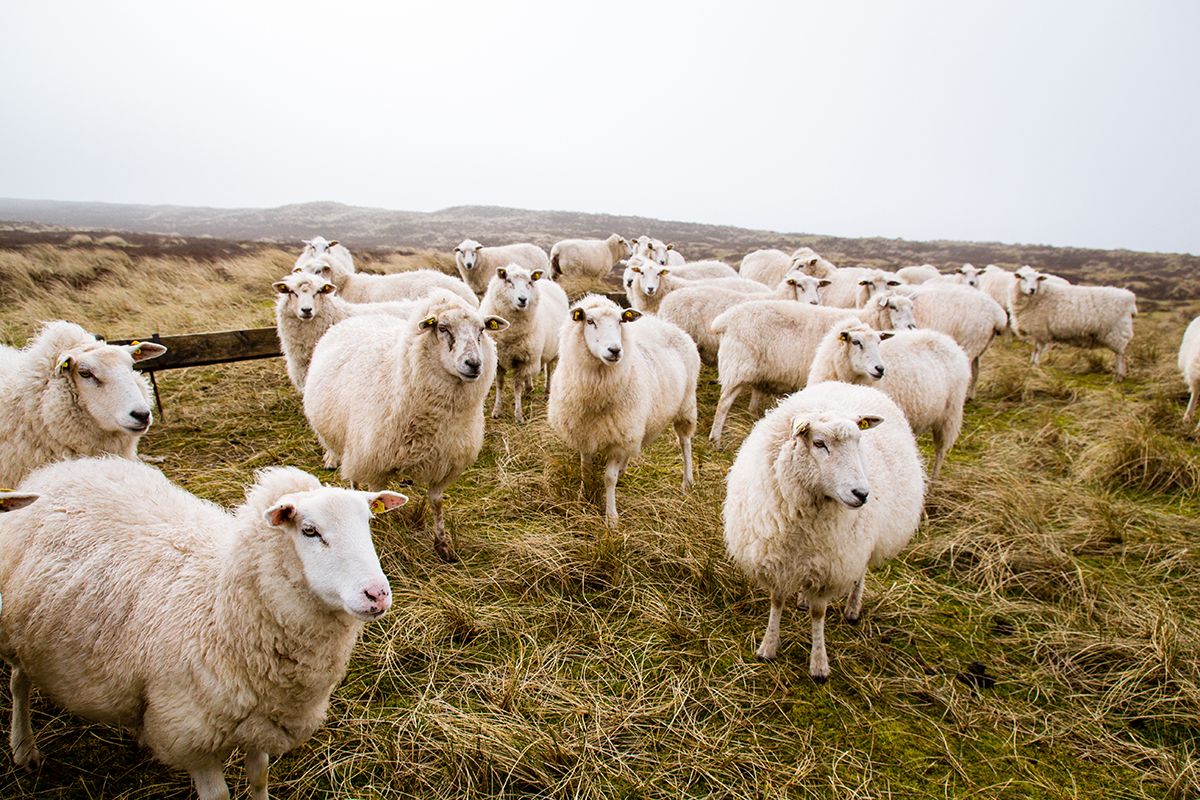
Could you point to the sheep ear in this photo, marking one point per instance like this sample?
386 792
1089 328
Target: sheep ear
278 514
11 501
495 323
63 365
824 282
886 335
385 501
281 287
328 288
800 426
671 246
331 244
864 282
427 323
630 314
844 336
869 422
297 268
144 350
536 275
503 273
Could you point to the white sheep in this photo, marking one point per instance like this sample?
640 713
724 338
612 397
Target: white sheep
1189 365
66 395
876 282
768 345
131 602
652 282
967 315
918 274
844 285
827 485
386 395
1045 311
770 266
925 372
319 247
622 378
307 306
592 258
477 264
364 287
535 310
658 251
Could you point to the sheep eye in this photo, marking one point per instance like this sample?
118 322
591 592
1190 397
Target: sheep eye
88 375
820 443
311 532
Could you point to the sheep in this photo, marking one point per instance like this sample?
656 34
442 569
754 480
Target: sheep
67 395
827 485
593 258
657 251
967 315
807 261
651 282
768 345
362 287
387 395
925 372
622 378
307 306
477 264
1189 365
770 266
535 309
844 285
917 275
1046 311
319 247
874 283
131 602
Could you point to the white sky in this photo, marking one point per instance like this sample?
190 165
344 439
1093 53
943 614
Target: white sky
1048 122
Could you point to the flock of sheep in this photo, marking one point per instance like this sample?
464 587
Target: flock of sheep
98 549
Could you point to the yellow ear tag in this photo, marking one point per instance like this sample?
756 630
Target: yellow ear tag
864 424
62 365
428 322
378 506
799 426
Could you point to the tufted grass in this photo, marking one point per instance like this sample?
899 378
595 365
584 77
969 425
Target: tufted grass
1038 639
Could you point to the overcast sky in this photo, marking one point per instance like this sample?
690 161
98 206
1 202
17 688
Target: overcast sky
1048 122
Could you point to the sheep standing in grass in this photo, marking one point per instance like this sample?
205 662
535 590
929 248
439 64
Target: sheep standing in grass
68 395
652 282
477 264
827 485
1189 365
131 602
535 309
362 287
925 372
622 378
968 316
1045 311
593 258
387 395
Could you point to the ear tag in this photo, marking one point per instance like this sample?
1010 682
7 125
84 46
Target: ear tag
799 426
577 314
864 424
428 322
493 325
378 506
62 365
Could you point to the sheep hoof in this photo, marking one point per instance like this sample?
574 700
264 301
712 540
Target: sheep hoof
445 552
852 618
819 679
759 655
31 761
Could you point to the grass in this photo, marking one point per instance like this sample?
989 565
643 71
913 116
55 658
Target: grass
1038 638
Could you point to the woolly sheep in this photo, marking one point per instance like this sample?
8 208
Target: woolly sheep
658 251
967 315
844 285
131 602
362 287
535 309
770 266
807 261
588 257
1189 365
477 264
386 395
320 248
1045 311
768 345
876 282
68 395
622 378
307 306
916 275
925 372
827 485
651 282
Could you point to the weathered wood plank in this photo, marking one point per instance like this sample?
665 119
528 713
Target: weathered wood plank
203 349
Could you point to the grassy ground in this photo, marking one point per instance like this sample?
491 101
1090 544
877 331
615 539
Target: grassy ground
1038 639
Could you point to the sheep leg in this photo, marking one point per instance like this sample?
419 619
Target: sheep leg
519 387
758 399
728 395
21 739
974 378
256 773
818 662
939 452
612 474
685 449
770 641
209 780
1191 406
1036 355
853 610
1120 367
500 392
441 545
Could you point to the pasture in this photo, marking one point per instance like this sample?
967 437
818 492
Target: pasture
1038 638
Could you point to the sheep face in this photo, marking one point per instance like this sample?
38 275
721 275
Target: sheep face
899 310
518 287
102 382
651 278
317 246
330 529
467 254
970 274
318 267
11 501
462 349
829 443
862 351
658 251
879 283
602 332
301 292
1029 280
804 288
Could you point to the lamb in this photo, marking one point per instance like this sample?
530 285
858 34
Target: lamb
768 345
651 283
967 315
320 248
592 258
68 395
362 287
477 264
1189 365
622 378
658 251
535 309
131 602
1045 311
307 306
827 485
925 372
387 395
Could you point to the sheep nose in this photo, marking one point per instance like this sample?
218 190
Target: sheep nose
860 494
380 597
614 351
879 372
141 417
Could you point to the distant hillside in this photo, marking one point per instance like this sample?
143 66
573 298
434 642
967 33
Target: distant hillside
1151 275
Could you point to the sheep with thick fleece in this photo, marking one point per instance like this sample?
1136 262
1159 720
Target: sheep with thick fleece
535 309
67 395
875 283
844 285
827 485
622 378
319 247
307 306
1045 311
769 266
658 251
363 287
652 282
131 602
387 395
918 274
925 372
477 264
768 345
593 258
968 316
1189 365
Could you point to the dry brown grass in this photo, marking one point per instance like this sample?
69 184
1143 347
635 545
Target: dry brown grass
1038 638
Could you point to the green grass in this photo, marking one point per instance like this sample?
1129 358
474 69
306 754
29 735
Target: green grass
559 658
